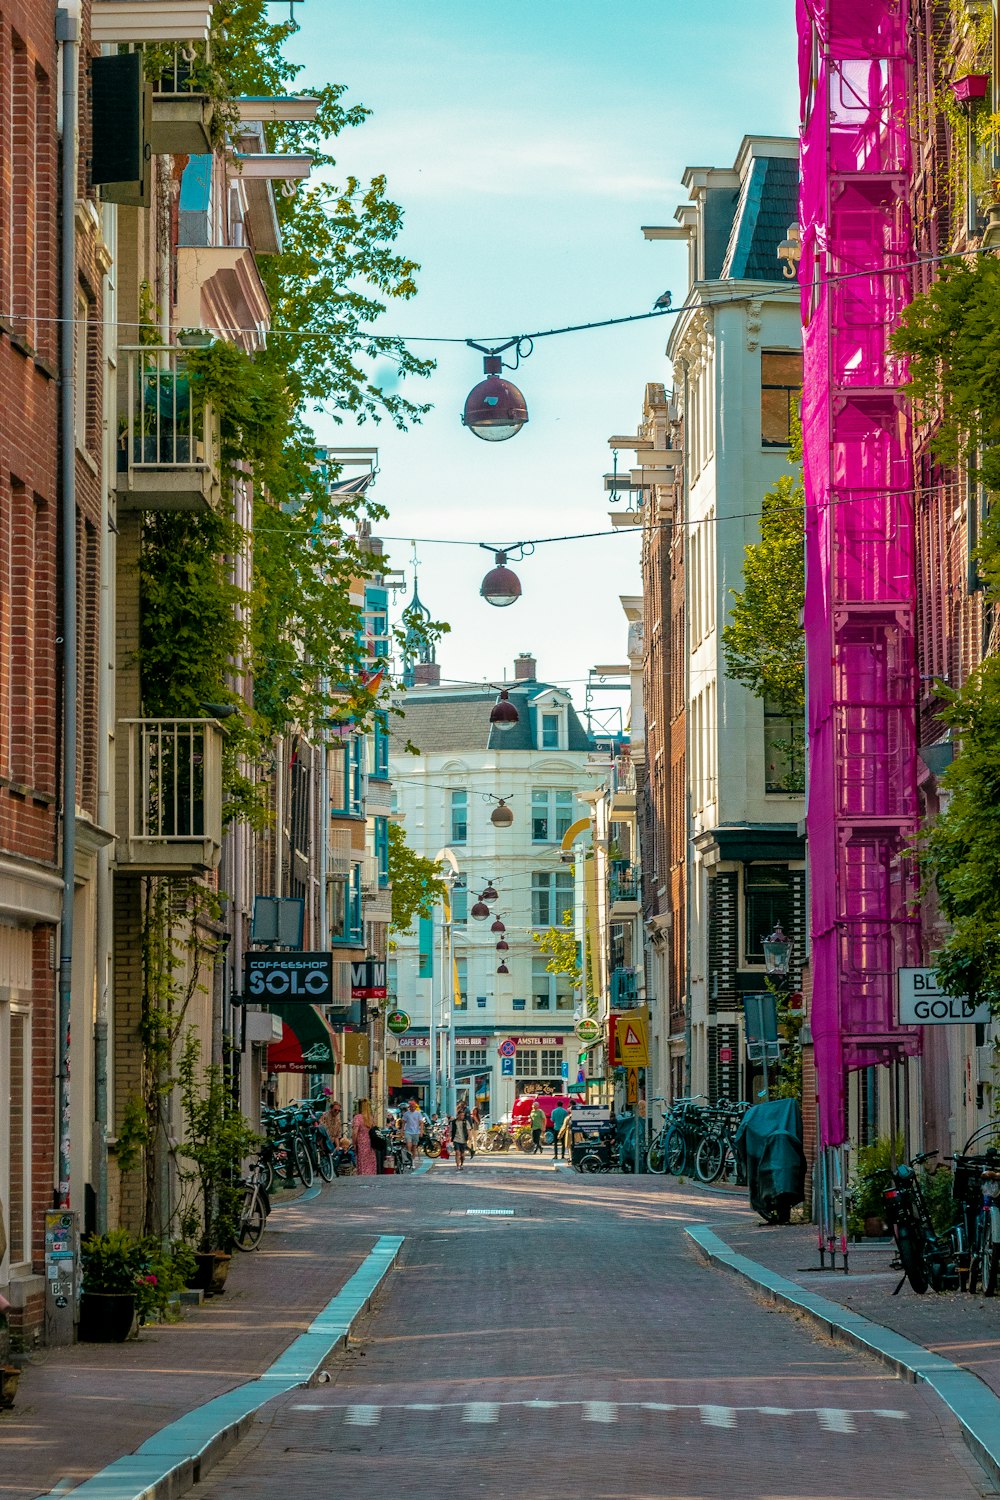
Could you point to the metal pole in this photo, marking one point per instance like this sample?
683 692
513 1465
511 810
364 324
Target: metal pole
67 32
452 1099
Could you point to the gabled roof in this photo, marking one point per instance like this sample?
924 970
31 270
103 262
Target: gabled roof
439 720
768 203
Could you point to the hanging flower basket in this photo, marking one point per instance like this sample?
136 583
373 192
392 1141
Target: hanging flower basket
969 87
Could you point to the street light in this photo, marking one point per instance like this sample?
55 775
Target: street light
501 586
502 968
501 816
777 953
495 410
498 927
480 911
503 946
490 894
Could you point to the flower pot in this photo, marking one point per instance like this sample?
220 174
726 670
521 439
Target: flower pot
970 86
9 1377
213 1268
106 1317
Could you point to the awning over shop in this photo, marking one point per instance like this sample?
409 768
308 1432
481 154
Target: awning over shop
308 1045
423 1075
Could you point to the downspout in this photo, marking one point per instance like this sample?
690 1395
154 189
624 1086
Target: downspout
106 741
67 33
688 861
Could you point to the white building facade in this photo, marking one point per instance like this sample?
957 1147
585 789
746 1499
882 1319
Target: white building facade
446 798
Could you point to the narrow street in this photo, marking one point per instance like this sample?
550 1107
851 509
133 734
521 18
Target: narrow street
551 1335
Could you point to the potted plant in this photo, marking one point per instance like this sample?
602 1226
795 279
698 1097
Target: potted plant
216 1141
866 1200
112 1266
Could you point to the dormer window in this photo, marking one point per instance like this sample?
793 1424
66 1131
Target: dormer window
550 731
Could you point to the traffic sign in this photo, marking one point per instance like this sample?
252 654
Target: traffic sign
506 1067
565 1070
633 1046
508 1047
588 1030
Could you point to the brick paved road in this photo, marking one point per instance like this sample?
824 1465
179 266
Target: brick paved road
576 1348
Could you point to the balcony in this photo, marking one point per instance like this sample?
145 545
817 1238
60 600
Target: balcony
168 453
624 989
369 875
182 113
624 888
341 853
378 905
169 796
622 786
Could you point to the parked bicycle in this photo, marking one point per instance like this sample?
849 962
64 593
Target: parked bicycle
976 1191
926 1258
696 1139
255 1207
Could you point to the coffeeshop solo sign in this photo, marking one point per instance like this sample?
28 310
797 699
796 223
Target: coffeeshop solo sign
288 978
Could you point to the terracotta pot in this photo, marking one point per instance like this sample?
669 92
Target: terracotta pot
106 1317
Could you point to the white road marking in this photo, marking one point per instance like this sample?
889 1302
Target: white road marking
835 1419
600 1411
481 1411
718 1416
363 1416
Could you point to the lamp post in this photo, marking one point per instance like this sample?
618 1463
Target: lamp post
444 856
777 956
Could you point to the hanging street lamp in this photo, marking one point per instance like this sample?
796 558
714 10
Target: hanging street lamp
501 586
490 894
503 946
501 816
480 911
502 968
497 927
503 714
495 410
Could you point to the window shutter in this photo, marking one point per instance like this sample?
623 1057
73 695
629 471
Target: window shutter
121 112
723 941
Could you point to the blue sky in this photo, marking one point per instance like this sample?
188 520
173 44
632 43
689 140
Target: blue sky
527 143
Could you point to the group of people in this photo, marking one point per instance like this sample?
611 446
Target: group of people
559 1120
367 1143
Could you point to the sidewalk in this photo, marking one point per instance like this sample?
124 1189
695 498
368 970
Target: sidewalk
81 1408
954 1325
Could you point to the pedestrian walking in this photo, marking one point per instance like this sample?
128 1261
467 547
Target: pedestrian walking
537 1128
413 1128
461 1132
332 1122
559 1118
361 1127
380 1145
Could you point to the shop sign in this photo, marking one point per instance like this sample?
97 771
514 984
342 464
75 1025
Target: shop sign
923 1003
588 1030
288 978
397 1021
368 980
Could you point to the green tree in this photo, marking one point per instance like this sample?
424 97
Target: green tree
416 882
563 951
764 642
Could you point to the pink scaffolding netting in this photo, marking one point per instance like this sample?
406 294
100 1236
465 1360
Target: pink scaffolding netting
855 71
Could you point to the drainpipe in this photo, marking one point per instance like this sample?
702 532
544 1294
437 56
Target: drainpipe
67 33
688 860
105 730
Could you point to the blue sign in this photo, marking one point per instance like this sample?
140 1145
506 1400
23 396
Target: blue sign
506 1067
565 1070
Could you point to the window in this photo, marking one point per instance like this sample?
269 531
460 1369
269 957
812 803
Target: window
551 815
551 1063
780 383
767 901
471 1057
380 735
784 750
459 817
549 992
18 1050
346 921
81 350
552 895
408 1057
527 1062
382 850
347 776
550 731
460 905
461 1000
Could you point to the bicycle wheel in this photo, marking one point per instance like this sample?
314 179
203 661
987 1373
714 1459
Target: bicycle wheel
975 1253
591 1164
729 1171
911 1257
675 1150
656 1157
708 1158
523 1141
252 1221
326 1168
404 1162
991 1260
302 1160
267 1174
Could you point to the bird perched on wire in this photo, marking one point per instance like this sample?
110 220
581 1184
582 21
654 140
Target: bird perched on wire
663 301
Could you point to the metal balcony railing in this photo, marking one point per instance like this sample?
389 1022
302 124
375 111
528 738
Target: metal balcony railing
624 989
341 853
168 455
623 774
169 795
624 881
369 875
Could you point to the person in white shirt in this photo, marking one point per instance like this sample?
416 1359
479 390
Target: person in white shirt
414 1121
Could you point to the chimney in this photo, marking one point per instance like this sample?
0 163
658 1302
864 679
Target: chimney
427 674
525 668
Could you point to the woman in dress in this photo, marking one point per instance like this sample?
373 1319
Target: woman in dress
361 1136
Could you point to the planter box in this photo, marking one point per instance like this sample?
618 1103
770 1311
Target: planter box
181 125
970 86
213 1268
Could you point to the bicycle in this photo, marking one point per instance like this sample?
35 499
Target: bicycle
285 1128
401 1158
715 1157
923 1256
255 1207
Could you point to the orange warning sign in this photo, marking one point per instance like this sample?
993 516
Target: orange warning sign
633 1044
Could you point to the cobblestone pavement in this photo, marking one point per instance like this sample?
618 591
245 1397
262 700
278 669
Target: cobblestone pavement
961 1328
571 1345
